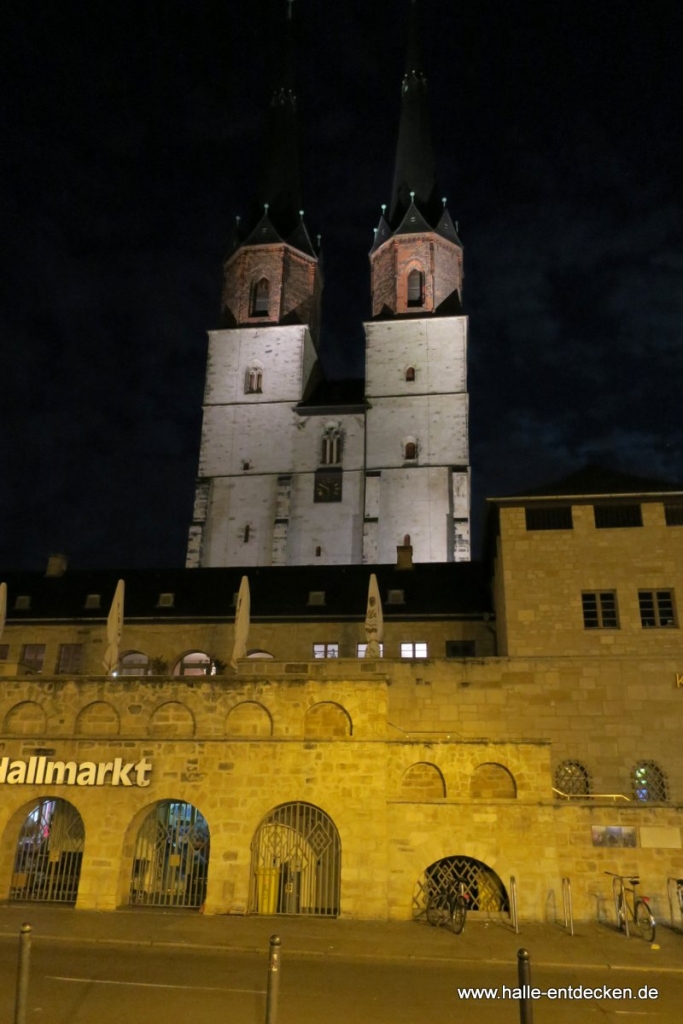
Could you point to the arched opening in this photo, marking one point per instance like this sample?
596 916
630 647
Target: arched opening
194 663
260 298
416 287
410 373
47 862
484 888
409 449
133 663
572 779
296 863
423 781
491 781
648 783
171 858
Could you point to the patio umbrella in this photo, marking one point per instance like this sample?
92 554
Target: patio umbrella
241 623
374 620
3 606
114 629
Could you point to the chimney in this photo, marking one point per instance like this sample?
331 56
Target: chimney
404 554
56 565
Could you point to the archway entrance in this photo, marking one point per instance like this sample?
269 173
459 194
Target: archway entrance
296 863
171 858
485 889
47 863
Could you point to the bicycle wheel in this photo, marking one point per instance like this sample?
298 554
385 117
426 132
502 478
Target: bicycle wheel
645 921
437 910
459 915
621 913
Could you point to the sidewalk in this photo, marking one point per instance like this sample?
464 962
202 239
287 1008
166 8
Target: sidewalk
593 945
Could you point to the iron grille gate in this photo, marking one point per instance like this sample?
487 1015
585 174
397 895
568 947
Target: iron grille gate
296 863
47 864
485 889
171 857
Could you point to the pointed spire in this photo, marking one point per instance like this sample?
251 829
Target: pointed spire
415 166
280 186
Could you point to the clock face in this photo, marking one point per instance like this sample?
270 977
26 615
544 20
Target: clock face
328 487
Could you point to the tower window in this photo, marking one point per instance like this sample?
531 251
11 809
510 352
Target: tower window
331 447
416 288
260 298
409 449
253 384
410 373
245 535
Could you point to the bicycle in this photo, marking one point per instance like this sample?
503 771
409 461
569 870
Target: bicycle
638 908
449 906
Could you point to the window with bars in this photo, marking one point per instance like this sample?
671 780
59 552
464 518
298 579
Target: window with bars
617 516
70 658
32 656
558 517
325 650
656 609
413 650
649 783
673 515
600 609
572 779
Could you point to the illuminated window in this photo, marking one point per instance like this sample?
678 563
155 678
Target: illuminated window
648 782
362 648
325 650
195 663
413 650
572 779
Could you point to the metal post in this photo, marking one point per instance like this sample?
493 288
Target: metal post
22 974
526 1013
567 905
273 986
513 904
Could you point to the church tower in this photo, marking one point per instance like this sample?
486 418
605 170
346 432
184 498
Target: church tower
280 468
417 462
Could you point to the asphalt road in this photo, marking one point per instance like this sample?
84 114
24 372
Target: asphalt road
77 984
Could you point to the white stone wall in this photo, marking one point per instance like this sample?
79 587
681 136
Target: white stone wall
436 348
286 353
438 423
334 527
415 501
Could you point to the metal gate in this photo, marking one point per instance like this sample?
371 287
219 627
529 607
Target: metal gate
171 859
485 889
47 864
296 863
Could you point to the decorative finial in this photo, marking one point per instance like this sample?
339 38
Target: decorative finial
289 10
266 207
457 225
319 237
444 201
301 214
412 197
384 208
374 231
238 219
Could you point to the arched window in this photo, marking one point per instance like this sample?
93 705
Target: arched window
195 663
253 384
410 373
572 779
648 782
133 663
416 288
260 297
331 446
409 449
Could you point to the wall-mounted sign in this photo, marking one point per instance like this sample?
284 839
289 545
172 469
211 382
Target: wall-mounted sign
41 771
613 835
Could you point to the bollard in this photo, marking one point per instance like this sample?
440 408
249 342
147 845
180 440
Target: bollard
22 974
273 986
526 1013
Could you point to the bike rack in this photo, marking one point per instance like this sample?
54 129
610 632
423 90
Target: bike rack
513 904
567 905
617 891
672 895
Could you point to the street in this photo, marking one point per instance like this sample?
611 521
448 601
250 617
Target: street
72 983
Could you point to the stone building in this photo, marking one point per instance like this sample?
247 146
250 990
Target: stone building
523 722
297 470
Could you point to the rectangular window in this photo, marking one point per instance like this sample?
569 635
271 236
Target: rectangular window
657 609
316 597
460 648
362 648
32 657
22 603
600 609
166 601
617 516
325 650
673 514
93 601
413 650
70 658
555 518
396 597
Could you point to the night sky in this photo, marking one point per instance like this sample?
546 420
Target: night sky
133 137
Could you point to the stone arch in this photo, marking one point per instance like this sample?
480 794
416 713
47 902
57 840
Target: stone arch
484 887
327 721
423 781
48 852
249 718
171 719
166 855
98 719
492 781
26 719
194 663
296 862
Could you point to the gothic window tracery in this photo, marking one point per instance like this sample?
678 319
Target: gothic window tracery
331 446
253 384
260 297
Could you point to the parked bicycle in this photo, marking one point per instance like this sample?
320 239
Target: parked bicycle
449 906
629 905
